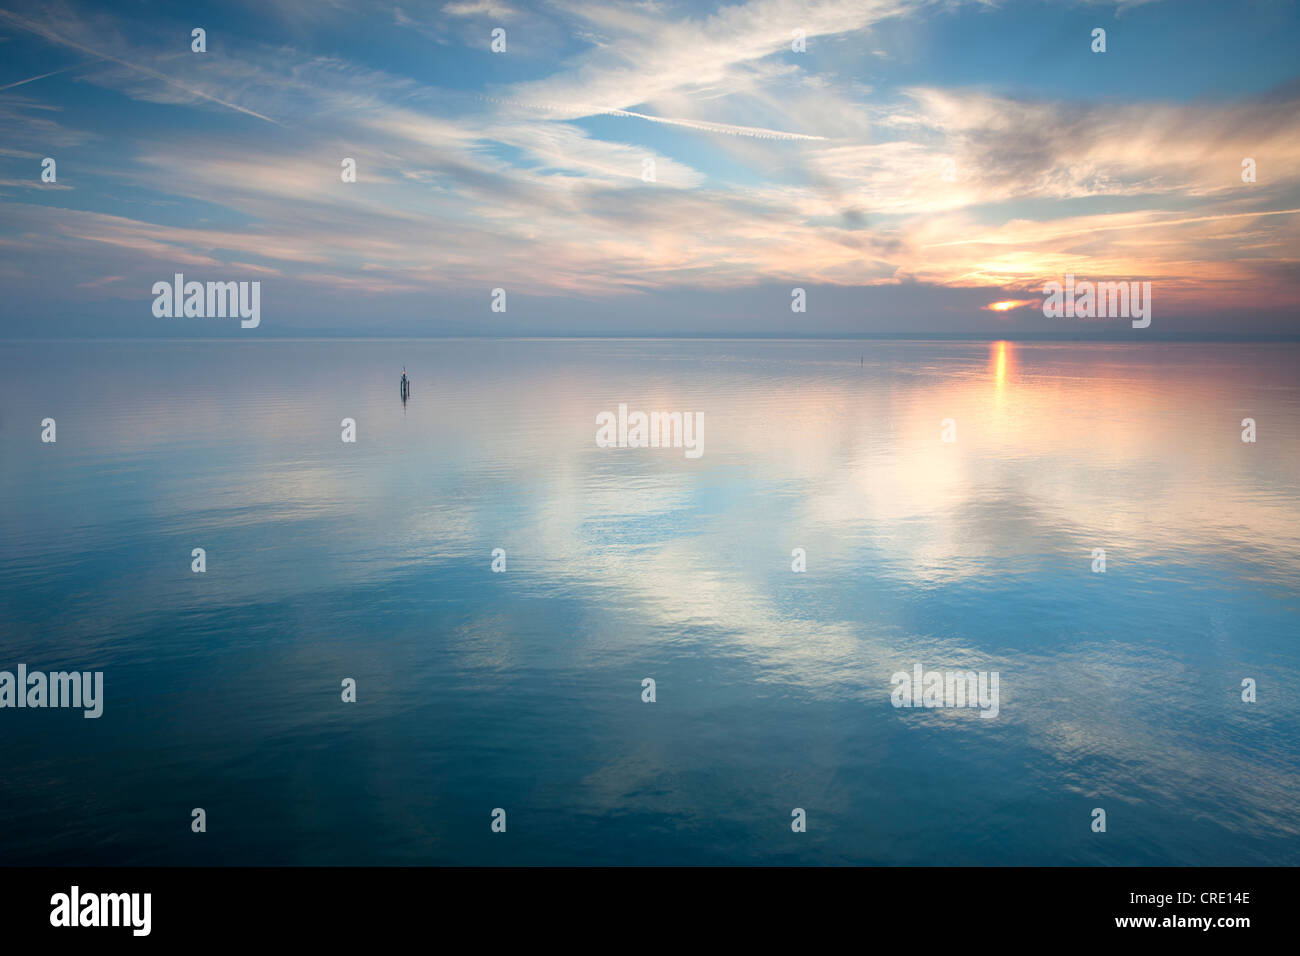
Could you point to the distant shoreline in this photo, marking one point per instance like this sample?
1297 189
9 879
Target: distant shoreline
1137 338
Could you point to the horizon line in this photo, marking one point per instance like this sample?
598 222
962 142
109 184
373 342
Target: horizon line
1108 338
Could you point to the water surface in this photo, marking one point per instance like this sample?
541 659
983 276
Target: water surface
522 690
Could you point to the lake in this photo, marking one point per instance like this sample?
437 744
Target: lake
522 688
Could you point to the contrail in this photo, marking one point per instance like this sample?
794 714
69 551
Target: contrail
33 79
732 129
702 125
32 27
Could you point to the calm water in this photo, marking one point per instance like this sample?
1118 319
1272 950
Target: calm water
522 690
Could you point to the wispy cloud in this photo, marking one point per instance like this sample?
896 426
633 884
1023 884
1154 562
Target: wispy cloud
55 37
768 166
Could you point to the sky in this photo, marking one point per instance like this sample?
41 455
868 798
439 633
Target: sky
651 167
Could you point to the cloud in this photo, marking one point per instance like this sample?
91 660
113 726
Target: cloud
60 39
479 8
766 171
